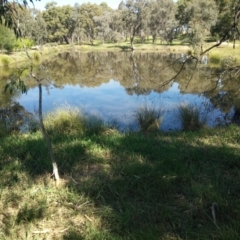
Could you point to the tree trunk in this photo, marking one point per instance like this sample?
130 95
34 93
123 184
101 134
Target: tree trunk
48 142
66 39
131 42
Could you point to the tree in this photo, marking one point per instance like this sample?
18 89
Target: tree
87 12
162 20
198 18
59 22
228 9
5 11
39 28
7 39
135 15
8 13
102 27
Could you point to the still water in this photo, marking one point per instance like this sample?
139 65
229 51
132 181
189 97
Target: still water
114 85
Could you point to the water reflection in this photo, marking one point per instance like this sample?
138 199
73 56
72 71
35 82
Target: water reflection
113 85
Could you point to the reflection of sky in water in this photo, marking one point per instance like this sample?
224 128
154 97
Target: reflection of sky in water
111 102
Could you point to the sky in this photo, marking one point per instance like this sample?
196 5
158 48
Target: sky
41 4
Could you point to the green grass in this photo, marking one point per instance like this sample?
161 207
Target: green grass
5 61
120 185
215 58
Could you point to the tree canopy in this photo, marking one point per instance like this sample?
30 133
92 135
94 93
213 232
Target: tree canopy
163 20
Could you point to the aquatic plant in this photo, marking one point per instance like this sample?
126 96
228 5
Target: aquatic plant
148 118
190 117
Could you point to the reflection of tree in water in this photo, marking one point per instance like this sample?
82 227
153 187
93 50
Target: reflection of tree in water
6 99
13 117
139 73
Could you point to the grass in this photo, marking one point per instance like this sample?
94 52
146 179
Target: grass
148 118
190 117
5 61
120 185
65 120
177 46
215 58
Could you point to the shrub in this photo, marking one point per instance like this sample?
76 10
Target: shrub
149 118
190 117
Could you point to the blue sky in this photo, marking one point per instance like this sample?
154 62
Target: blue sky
111 3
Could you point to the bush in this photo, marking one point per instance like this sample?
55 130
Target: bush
149 118
24 42
190 118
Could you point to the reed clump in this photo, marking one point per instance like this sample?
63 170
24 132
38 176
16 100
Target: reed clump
148 118
190 117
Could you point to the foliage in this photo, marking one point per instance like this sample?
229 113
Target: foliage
7 39
162 20
59 24
201 16
9 14
135 15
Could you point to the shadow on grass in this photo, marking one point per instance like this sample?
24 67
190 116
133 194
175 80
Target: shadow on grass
121 47
151 186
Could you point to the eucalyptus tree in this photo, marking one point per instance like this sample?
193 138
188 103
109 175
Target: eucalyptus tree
198 17
87 12
228 10
39 28
162 19
135 15
7 39
59 22
182 15
116 24
30 23
102 27
8 14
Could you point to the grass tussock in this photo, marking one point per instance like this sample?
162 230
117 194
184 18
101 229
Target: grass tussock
5 62
190 117
65 120
149 118
215 58
36 57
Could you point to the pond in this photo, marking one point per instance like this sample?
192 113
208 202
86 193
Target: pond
113 85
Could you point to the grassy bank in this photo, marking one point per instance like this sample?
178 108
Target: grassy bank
220 53
180 185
